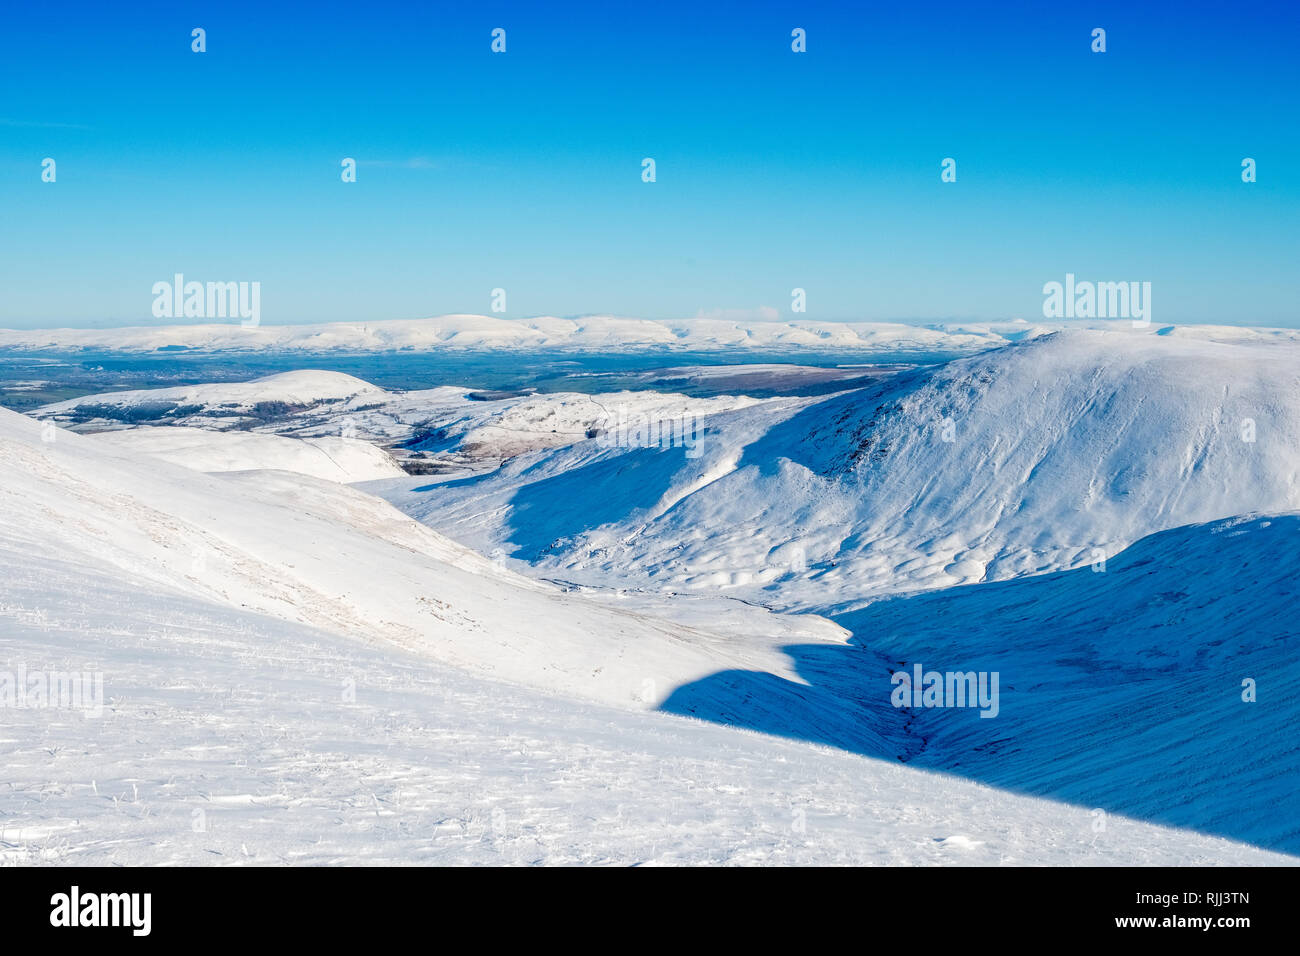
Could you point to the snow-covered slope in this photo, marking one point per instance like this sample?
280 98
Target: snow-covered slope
1043 455
329 457
1161 687
325 555
232 738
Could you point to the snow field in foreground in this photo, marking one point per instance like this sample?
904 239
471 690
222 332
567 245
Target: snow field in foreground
231 738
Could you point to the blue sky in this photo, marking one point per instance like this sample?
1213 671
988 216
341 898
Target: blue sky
775 170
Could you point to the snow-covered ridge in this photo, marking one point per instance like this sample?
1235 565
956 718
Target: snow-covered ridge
594 333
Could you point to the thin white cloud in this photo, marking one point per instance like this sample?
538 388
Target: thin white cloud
40 124
415 162
764 313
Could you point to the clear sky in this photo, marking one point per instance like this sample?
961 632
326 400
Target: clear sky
775 169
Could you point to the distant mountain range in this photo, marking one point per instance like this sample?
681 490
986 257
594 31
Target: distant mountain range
595 333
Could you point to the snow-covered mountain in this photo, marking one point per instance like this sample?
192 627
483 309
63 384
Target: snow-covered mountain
1043 455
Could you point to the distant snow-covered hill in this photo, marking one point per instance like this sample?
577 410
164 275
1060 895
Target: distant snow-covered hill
479 332
296 389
